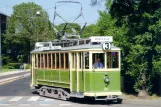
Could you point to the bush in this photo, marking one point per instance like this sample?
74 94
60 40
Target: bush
28 66
7 67
5 59
14 65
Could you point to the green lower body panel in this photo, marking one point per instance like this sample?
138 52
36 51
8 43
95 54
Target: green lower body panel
77 81
89 82
58 78
95 82
53 83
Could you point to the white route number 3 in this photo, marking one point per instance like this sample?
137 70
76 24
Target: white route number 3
106 46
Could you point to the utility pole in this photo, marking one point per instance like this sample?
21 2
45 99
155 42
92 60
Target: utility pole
0 46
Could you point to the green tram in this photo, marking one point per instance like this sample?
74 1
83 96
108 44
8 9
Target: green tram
79 68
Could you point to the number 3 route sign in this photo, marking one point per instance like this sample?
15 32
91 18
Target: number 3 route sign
106 46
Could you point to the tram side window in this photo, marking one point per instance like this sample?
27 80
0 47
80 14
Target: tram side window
80 60
61 60
66 61
74 60
42 60
112 60
35 60
98 60
53 61
38 60
49 60
45 61
86 60
57 60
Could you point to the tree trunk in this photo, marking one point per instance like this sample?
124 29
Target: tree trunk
143 93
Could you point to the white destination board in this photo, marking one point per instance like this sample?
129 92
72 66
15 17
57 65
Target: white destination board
55 47
101 39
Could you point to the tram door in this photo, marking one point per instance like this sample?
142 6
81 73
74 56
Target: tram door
80 62
74 72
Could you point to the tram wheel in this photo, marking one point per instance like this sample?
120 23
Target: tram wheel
119 101
109 101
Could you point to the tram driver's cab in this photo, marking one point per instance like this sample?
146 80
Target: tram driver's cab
97 57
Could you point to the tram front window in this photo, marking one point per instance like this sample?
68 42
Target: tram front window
98 60
112 60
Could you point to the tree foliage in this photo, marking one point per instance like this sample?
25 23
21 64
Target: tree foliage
25 27
90 30
138 26
76 26
142 19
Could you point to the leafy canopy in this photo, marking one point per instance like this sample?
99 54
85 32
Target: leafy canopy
138 34
25 27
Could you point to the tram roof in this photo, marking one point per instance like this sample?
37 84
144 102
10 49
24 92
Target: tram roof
79 47
91 43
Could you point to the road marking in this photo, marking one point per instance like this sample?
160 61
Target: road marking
28 74
23 104
4 104
49 100
35 98
44 104
16 99
1 98
65 104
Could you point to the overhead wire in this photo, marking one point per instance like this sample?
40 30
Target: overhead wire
56 14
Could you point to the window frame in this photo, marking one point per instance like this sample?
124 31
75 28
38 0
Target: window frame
80 63
105 61
51 61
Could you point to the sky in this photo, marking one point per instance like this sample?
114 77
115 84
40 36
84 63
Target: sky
68 11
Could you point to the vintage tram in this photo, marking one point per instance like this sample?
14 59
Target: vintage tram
79 68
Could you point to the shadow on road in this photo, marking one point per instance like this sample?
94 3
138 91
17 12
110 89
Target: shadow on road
83 100
92 101
35 92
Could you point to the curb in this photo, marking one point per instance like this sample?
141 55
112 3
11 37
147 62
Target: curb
12 72
3 81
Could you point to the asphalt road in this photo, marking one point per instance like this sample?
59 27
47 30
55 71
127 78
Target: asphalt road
17 88
12 75
18 93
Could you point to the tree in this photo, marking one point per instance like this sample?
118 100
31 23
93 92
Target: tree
76 26
25 28
142 19
90 30
95 2
142 41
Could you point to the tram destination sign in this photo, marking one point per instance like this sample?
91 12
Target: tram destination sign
50 48
101 39
55 47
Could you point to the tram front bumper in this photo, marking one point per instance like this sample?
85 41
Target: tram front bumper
102 93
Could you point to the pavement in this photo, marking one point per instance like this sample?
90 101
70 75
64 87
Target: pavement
13 72
13 75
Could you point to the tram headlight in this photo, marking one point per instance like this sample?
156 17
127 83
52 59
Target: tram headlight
106 79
